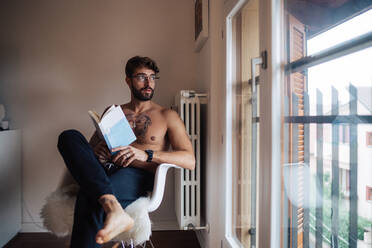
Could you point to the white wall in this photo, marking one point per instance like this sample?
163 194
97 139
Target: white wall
364 171
210 69
59 59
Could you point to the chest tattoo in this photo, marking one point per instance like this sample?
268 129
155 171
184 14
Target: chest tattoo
139 124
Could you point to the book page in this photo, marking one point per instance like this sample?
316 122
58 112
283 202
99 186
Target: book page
108 111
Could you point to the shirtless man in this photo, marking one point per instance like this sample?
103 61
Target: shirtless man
105 192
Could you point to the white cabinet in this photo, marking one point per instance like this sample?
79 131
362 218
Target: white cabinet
10 185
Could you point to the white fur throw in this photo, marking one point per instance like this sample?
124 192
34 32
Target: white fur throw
58 215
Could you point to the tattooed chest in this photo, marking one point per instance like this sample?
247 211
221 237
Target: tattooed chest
144 128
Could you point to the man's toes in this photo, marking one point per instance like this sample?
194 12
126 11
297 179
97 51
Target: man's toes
100 237
99 240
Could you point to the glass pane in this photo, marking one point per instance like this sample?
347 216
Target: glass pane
327 162
336 35
245 43
326 20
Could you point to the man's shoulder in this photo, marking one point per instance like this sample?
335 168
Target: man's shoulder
169 113
124 105
165 112
172 118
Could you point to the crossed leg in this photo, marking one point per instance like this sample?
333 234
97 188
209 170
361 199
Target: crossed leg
116 221
99 211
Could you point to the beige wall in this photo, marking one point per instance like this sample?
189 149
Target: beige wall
210 68
59 59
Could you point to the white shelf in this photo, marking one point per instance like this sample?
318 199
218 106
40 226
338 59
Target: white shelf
10 185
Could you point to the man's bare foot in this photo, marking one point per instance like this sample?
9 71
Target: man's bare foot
116 222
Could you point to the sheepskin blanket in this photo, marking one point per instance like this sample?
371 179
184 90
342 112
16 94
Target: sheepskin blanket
58 215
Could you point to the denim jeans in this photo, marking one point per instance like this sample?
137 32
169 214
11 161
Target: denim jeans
127 184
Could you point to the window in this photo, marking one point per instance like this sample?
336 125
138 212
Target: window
327 105
324 101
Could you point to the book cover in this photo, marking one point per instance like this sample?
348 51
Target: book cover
114 127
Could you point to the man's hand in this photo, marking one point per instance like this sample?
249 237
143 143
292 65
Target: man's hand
102 152
127 154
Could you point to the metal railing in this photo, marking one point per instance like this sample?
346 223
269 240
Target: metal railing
335 120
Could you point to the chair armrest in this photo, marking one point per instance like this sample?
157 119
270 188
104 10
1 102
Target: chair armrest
159 185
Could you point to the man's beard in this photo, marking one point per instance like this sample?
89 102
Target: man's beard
139 96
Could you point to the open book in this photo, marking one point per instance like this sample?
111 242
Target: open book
113 127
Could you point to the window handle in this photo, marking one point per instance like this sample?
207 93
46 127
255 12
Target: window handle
262 60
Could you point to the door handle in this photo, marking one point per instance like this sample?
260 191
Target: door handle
254 62
262 60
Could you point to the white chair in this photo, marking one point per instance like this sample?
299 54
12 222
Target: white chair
58 211
140 236
159 185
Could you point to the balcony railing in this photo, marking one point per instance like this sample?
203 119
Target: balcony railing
296 212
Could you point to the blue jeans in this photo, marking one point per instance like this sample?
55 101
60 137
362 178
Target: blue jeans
127 184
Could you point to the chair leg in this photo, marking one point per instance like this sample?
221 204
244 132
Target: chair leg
152 245
144 244
117 245
124 244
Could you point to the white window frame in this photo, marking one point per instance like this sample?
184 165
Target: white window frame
268 177
230 11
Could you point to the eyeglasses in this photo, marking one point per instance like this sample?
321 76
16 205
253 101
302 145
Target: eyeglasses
142 78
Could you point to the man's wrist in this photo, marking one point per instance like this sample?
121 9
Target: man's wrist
150 154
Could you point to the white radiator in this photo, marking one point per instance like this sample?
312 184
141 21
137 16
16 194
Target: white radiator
187 183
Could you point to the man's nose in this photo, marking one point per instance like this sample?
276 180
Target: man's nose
147 81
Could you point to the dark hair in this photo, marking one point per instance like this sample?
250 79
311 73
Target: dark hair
139 62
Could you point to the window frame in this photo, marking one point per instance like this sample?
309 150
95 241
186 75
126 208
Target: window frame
269 169
268 179
233 7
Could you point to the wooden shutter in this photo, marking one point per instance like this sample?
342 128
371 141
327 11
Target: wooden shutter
296 88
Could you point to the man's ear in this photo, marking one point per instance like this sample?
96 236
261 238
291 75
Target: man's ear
128 81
